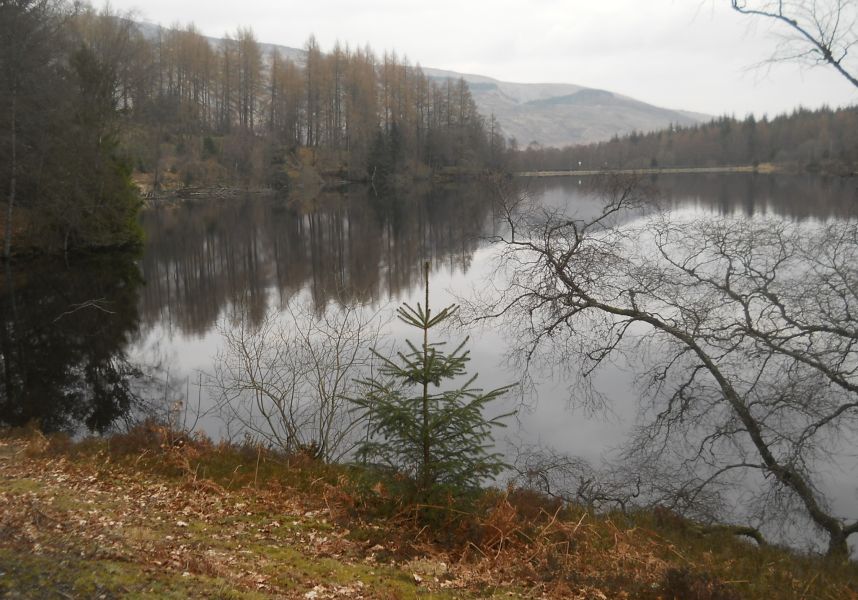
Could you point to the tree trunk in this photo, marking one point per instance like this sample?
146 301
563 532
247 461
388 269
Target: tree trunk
837 546
7 330
7 241
426 479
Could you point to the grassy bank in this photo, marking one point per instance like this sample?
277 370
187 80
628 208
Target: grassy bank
153 515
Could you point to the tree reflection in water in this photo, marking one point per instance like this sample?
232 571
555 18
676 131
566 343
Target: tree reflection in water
205 257
65 329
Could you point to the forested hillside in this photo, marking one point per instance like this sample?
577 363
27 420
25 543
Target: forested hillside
87 96
237 113
815 140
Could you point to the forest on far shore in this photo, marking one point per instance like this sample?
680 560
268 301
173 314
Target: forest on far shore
95 105
823 140
227 110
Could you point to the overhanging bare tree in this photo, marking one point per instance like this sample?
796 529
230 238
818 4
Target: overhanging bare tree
743 331
819 32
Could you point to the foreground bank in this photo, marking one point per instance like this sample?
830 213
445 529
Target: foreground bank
154 515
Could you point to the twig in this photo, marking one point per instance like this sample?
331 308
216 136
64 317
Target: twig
578 524
552 521
477 548
256 473
88 304
139 458
419 533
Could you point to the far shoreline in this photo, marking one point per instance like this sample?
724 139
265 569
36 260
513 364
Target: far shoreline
765 169
761 169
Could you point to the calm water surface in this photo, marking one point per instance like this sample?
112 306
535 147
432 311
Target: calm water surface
97 342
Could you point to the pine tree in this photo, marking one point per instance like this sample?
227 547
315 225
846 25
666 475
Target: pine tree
440 439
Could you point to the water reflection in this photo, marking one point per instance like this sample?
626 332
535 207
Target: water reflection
75 337
201 258
65 332
796 197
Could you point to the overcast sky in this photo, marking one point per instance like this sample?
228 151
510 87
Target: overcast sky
690 54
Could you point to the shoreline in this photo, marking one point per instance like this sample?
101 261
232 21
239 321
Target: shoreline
762 169
656 171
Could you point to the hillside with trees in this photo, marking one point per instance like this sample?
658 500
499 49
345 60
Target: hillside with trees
815 140
89 96
565 114
228 111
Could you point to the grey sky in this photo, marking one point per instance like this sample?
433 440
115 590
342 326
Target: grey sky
689 54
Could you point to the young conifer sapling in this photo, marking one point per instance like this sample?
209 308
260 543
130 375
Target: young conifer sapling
438 437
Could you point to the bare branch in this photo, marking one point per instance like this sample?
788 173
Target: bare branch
824 30
743 331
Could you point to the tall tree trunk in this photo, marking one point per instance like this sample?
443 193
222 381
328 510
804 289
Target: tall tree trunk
6 342
7 241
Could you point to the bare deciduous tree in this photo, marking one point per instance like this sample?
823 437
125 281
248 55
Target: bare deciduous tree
820 32
289 379
743 333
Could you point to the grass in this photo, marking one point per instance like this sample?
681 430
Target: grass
151 514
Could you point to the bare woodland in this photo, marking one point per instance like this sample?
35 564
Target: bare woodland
814 33
743 331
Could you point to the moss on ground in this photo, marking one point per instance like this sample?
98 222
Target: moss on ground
26 575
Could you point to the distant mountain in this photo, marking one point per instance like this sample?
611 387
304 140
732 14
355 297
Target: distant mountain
562 114
550 114
151 30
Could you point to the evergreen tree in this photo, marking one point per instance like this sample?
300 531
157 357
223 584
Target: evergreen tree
63 171
437 438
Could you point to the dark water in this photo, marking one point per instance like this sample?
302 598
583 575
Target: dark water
66 337
97 342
